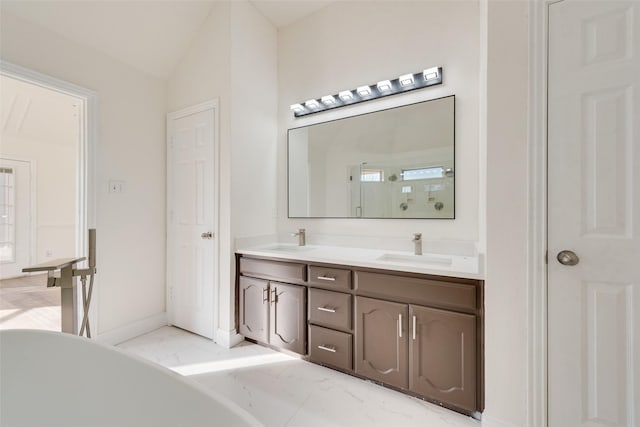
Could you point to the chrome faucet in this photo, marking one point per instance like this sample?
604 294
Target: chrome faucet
417 241
302 237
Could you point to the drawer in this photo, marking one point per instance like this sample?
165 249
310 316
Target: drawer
329 308
330 347
282 271
330 277
429 292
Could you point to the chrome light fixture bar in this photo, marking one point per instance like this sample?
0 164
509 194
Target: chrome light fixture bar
404 83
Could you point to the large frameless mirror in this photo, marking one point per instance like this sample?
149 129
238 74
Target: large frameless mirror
395 163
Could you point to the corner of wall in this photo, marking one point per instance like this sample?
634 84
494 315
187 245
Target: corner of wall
132 330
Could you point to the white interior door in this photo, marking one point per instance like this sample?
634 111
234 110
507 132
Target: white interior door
594 212
15 217
191 236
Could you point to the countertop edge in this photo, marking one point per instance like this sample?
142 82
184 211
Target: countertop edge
310 258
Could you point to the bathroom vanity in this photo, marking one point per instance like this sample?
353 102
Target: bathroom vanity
419 333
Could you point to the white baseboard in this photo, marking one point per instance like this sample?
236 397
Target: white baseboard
135 329
228 339
489 421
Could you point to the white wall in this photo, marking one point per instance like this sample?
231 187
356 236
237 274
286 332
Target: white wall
131 120
233 58
507 228
347 45
254 106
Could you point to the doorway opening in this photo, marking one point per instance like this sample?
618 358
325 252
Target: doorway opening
46 200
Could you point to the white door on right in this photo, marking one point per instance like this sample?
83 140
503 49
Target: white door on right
594 214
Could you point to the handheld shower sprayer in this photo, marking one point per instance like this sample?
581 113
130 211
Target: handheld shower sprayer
83 273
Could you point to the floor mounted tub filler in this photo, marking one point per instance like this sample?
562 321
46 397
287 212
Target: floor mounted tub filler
55 379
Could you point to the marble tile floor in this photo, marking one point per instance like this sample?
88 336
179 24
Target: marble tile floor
27 303
283 391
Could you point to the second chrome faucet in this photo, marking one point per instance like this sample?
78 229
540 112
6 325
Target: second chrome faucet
417 241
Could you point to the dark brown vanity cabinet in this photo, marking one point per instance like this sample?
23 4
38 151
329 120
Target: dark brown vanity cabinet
431 351
428 351
442 356
254 309
382 344
330 317
418 333
272 312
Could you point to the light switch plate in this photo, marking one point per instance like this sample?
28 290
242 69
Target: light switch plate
116 186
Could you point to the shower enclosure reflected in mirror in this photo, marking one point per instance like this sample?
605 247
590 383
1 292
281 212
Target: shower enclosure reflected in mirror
395 163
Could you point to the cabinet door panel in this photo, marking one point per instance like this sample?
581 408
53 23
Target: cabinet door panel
254 309
443 356
288 324
381 336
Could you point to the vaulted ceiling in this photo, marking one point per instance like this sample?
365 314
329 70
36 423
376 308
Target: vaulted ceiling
149 35
33 113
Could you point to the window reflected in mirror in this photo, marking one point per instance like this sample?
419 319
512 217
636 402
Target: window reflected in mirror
395 163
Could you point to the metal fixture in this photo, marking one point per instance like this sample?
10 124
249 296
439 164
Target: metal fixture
415 326
302 237
207 236
62 273
404 83
417 241
567 257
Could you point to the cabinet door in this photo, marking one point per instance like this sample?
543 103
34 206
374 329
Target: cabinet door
288 326
254 308
381 337
443 356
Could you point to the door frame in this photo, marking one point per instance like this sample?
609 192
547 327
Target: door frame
85 162
537 283
213 104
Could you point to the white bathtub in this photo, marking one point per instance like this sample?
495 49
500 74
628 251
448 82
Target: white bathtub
53 379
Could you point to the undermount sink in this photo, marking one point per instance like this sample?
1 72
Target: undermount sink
415 259
283 247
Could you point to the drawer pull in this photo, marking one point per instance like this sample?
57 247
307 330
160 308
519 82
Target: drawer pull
328 310
400 325
265 295
329 348
328 279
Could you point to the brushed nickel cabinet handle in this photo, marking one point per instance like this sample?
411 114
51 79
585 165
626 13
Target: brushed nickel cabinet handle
400 325
274 296
414 328
328 279
265 295
328 310
329 348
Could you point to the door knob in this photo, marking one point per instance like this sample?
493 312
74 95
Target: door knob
567 258
208 235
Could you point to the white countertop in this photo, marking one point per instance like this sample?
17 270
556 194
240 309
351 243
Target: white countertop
451 265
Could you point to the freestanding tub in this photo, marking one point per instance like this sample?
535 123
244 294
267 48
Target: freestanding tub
53 379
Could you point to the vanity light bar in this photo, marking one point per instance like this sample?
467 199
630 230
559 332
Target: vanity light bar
404 83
